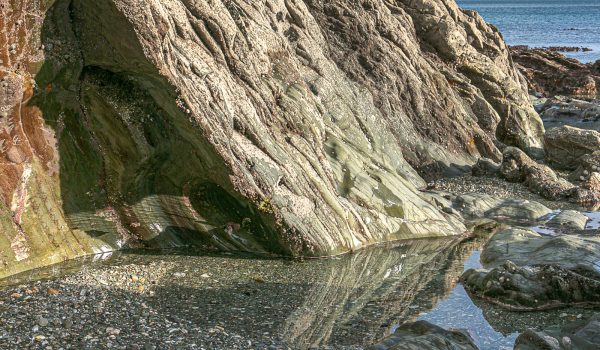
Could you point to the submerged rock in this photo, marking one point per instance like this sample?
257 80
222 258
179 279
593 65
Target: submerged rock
424 335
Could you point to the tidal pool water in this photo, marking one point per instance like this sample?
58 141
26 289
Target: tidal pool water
347 302
459 311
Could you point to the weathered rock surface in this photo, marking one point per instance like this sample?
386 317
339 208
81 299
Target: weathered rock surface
541 179
518 167
486 167
527 271
288 127
579 335
569 219
561 108
533 287
552 73
526 247
480 205
424 335
566 145
588 165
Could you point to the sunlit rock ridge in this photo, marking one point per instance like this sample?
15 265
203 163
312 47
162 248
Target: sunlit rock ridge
284 126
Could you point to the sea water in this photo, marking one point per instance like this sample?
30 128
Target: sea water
543 23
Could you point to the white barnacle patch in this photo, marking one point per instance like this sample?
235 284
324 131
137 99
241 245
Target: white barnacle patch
19 199
394 270
156 228
20 247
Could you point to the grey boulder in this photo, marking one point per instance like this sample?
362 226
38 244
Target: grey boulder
424 335
566 145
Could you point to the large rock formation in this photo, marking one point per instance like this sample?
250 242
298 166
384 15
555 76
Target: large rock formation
289 126
566 145
552 73
541 179
528 271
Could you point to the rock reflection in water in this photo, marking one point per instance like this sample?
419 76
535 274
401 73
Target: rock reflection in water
357 299
459 311
350 300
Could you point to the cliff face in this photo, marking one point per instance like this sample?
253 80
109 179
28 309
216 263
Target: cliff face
290 127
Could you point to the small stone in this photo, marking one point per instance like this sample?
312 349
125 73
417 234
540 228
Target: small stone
68 323
39 338
42 321
15 295
205 275
113 331
52 291
179 275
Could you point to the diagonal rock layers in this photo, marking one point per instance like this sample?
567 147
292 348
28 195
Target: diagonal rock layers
288 127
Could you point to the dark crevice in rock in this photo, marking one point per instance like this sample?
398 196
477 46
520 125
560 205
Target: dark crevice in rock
130 168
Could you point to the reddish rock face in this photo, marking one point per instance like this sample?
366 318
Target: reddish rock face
20 54
551 73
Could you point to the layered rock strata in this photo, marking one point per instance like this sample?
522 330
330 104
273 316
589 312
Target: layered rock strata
288 127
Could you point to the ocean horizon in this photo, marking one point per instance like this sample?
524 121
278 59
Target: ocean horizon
544 23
